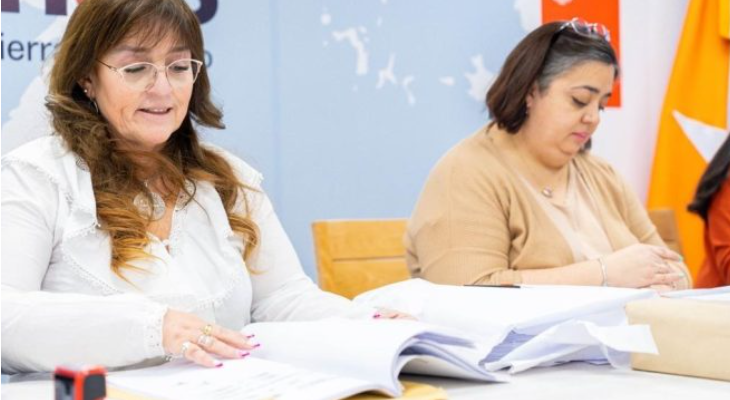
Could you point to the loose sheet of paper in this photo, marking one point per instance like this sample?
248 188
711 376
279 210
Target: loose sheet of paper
247 379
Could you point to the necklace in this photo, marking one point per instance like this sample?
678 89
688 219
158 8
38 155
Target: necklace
158 208
154 211
546 190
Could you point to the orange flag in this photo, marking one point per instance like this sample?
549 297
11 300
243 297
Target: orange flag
693 121
605 12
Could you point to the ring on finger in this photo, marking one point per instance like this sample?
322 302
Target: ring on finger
184 348
207 329
205 340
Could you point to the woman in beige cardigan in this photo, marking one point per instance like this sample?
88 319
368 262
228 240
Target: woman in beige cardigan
522 200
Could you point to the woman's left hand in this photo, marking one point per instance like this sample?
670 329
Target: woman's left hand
679 284
187 335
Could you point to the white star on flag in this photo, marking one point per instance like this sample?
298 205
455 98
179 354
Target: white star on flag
704 137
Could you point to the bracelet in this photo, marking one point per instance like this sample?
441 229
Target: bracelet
603 271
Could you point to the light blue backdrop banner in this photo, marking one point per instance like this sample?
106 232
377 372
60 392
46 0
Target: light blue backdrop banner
344 105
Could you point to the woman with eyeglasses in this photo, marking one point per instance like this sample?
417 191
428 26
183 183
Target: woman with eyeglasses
522 200
712 203
125 239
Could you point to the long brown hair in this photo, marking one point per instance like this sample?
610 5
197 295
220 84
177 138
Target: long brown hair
96 27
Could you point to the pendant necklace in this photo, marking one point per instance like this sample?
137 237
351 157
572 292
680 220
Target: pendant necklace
154 211
547 191
158 208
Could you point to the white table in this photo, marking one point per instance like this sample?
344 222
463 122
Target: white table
567 382
589 382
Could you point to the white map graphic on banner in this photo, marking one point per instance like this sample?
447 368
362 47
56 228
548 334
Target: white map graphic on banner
478 80
29 120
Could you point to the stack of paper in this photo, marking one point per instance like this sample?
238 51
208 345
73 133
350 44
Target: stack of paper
318 360
376 351
527 326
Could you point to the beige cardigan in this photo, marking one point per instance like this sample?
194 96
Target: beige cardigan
476 221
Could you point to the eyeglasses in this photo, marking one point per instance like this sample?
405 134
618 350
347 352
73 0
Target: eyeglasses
585 28
142 76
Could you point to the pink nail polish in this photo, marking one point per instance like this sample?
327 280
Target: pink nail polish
250 336
256 345
377 315
219 364
243 354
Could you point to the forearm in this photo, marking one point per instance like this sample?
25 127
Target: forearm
41 330
585 273
637 266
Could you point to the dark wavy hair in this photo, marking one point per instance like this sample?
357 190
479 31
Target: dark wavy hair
95 28
714 176
542 55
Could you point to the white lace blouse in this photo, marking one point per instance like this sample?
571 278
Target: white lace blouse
61 303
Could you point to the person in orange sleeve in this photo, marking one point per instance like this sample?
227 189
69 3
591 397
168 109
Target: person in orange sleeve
712 203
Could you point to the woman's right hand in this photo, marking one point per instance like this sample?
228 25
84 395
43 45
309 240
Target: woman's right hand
187 335
641 265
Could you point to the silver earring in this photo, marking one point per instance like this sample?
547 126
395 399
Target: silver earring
96 106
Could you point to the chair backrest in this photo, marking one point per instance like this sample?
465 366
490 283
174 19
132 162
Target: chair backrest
666 224
354 256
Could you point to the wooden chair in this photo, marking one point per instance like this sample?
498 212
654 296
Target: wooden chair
354 256
666 224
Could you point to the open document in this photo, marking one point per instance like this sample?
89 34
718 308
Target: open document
247 379
372 350
527 326
318 360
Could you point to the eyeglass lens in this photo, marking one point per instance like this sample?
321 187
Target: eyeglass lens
142 76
